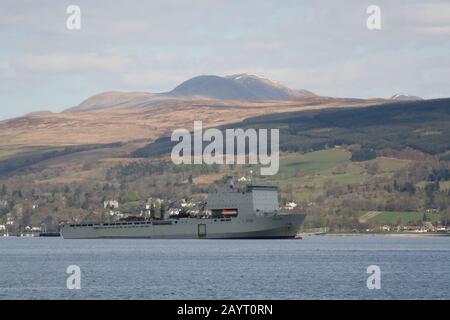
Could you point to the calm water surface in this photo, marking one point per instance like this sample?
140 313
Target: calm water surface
312 268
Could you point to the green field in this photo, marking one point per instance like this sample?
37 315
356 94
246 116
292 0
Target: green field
313 162
405 218
308 175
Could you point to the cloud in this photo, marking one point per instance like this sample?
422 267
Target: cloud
130 26
72 62
430 19
433 31
6 70
153 80
431 13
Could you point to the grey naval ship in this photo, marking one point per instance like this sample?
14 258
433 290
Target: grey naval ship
250 213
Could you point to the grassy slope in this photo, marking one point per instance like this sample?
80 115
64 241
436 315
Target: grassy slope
313 162
310 173
420 125
405 218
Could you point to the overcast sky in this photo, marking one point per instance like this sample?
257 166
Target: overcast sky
322 46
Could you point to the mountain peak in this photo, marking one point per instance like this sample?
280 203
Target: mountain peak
241 76
238 86
210 86
405 97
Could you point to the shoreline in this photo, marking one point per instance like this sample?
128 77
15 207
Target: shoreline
301 235
407 235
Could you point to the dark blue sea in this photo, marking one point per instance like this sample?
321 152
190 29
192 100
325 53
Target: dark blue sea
320 267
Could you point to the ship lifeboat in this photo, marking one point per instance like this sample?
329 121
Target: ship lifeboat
230 212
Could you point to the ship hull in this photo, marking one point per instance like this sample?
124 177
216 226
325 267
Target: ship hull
272 227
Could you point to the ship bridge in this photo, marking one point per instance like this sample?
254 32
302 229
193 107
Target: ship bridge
254 200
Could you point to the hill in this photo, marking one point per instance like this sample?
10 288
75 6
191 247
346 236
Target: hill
420 125
236 87
240 86
212 87
116 99
62 167
268 90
